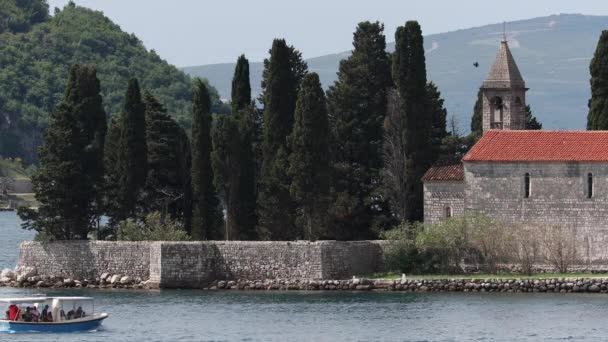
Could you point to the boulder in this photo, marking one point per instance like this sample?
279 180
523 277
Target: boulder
68 282
26 271
126 280
104 276
8 273
115 279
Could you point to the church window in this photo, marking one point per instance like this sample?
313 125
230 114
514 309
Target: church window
496 113
448 212
589 185
527 185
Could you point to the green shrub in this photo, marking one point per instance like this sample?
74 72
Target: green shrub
152 228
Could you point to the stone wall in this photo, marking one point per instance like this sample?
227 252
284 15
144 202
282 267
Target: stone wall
21 186
196 264
439 196
558 196
86 260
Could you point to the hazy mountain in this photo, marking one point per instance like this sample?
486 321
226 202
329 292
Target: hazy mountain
553 54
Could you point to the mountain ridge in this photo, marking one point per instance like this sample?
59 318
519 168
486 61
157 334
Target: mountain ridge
556 73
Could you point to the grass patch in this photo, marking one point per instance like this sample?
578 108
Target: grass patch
393 275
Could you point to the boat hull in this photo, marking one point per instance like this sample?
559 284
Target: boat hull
59 327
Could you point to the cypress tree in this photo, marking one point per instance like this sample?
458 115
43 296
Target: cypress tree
597 118
245 202
126 158
283 73
168 185
357 105
477 118
531 122
241 88
226 163
309 167
68 183
207 217
438 119
409 76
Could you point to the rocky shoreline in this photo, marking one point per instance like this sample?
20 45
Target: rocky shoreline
28 277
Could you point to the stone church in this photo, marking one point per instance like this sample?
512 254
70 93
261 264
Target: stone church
557 177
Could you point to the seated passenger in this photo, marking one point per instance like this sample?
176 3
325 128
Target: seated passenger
45 313
35 314
62 314
27 316
49 317
71 314
13 312
79 312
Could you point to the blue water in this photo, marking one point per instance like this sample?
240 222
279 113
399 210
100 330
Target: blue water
322 316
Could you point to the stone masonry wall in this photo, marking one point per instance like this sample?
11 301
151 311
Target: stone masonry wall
86 260
196 264
438 196
558 197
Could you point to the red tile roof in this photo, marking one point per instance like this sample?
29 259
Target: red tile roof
514 145
453 172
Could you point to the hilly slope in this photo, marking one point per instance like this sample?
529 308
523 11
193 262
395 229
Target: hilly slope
37 50
553 54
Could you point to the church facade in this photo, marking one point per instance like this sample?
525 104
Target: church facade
523 176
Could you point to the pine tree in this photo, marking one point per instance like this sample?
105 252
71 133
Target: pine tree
68 183
357 105
168 185
309 167
207 217
477 118
241 88
415 123
597 118
531 122
126 158
283 73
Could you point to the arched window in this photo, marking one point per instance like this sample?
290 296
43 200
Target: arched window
589 185
527 185
496 106
448 212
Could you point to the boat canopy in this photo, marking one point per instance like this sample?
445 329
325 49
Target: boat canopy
24 300
72 299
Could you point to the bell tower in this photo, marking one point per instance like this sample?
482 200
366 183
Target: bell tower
504 93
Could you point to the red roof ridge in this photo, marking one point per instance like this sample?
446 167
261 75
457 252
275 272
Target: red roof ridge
540 145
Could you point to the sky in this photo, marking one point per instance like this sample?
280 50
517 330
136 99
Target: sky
197 32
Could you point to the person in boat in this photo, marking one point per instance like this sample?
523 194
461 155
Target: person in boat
71 314
7 315
35 314
62 314
79 312
46 314
27 316
13 312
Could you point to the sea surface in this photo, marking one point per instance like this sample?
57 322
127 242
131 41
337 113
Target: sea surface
189 315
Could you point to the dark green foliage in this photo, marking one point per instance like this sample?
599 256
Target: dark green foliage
226 162
477 118
241 89
309 165
126 159
356 106
168 187
283 73
597 118
415 122
438 118
207 217
69 179
531 122
33 66
20 15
